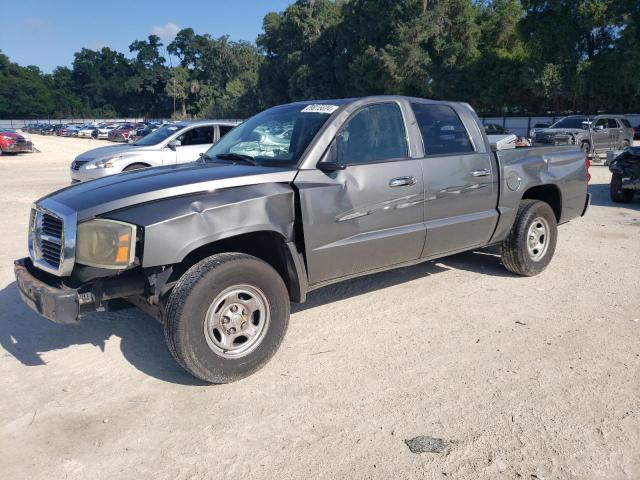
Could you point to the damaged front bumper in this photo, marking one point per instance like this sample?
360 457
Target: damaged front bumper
60 303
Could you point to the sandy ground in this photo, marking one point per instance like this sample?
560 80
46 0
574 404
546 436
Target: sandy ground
526 378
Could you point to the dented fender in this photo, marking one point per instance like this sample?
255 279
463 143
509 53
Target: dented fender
175 227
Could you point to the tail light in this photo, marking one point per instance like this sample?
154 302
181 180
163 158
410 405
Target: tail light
633 132
588 163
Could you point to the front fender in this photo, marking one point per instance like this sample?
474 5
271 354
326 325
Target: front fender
177 226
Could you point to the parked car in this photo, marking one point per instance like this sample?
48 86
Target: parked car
121 134
12 142
218 248
88 130
104 130
597 135
179 142
143 131
625 175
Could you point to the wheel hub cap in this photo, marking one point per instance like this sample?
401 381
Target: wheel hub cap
538 238
237 321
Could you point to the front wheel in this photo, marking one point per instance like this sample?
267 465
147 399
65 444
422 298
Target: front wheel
532 240
226 317
617 193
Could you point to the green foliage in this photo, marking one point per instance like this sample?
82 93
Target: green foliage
502 56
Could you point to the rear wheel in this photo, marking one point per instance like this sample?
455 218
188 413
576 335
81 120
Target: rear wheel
617 193
532 241
226 317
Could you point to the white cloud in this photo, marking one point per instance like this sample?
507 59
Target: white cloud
167 32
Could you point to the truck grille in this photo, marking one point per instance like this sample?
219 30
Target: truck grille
47 238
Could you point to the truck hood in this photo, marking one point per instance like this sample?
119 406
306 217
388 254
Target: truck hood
114 192
110 151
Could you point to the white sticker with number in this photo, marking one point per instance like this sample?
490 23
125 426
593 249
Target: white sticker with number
319 108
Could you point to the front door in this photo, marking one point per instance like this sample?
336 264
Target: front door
461 190
369 215
193 142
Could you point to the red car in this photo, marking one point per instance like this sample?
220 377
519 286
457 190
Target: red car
121 134
12 142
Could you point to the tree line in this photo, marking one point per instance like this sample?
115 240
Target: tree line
501 56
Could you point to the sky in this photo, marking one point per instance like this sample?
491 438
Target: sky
47 34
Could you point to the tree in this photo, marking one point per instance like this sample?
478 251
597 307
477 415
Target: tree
178 88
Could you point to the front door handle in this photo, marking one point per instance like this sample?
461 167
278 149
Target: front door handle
402 181
481 173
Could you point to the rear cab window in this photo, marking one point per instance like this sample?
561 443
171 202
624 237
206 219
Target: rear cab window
443 133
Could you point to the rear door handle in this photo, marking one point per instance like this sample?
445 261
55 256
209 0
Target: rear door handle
402 181
481 173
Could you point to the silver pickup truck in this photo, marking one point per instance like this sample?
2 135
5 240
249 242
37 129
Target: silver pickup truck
299 196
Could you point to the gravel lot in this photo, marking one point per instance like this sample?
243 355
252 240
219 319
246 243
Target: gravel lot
524 378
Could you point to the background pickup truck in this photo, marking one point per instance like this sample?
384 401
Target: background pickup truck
593 135
297 197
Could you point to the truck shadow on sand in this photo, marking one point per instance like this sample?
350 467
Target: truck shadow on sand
485 262
26 336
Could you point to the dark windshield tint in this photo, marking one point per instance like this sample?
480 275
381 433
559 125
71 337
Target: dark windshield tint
275 137
159 135
572 122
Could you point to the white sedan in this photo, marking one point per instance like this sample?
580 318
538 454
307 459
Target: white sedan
103 132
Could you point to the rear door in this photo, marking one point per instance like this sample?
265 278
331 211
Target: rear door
615 132
193 142
460 182
370 214
600 135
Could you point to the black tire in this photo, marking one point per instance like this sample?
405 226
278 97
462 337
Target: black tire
617 193
135 166
516 255
191 301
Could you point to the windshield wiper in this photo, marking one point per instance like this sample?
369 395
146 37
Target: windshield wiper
237 156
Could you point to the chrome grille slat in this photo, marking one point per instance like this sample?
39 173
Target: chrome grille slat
47 231
52 237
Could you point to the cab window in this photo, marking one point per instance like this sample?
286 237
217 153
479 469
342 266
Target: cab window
197 136
375 133
443 133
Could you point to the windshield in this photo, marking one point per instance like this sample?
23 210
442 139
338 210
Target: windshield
275 137
158 136
572 122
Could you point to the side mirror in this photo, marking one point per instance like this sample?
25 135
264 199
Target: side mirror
599 127
331 161
173 144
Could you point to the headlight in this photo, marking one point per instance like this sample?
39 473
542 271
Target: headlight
106 163
106 244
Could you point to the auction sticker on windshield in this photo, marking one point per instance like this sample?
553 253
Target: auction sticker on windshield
319 108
